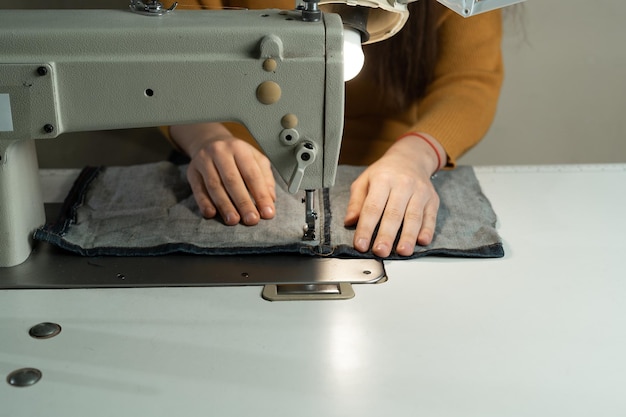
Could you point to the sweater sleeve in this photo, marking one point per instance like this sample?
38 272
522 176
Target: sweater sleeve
460 103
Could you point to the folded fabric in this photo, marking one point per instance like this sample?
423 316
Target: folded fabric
149 210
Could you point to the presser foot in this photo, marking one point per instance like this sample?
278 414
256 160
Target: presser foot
310 216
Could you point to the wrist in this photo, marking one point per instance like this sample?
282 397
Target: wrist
430 146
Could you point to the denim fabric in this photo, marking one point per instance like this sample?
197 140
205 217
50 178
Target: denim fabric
150 210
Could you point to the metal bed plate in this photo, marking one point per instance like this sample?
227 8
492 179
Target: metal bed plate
49 267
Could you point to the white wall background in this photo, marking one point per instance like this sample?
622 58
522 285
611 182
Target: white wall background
564 96
563 99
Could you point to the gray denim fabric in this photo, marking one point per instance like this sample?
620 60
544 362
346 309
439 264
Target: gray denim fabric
150 210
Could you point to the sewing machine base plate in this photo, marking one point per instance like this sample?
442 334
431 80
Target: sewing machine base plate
51 268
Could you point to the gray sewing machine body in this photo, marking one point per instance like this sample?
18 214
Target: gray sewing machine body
65 71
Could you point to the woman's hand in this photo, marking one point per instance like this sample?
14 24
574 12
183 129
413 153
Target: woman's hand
226 174
396 192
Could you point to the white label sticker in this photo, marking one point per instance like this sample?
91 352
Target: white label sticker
6 118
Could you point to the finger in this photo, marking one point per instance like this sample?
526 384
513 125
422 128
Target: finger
266 168
236 192
371 212
391 222
200 193
358 193
413 219
429 222
255 180
219 196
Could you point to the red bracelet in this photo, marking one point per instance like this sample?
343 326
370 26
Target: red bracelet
428 141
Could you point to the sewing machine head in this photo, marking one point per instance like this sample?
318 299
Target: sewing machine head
271 70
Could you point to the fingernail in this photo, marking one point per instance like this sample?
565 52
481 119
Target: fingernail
250 218
267 212
362 245
424 239
382 249
229 218
208 212
405 249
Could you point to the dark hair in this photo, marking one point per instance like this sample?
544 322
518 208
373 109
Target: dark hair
404 63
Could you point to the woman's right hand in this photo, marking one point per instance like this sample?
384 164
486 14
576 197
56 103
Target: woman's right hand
227 175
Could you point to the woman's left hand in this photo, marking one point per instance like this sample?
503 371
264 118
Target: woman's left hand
396 194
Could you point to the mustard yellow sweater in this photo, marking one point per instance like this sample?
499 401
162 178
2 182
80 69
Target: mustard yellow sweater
457 109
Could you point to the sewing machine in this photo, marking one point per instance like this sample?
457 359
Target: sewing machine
280 73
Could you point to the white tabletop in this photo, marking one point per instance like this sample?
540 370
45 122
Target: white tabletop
541 332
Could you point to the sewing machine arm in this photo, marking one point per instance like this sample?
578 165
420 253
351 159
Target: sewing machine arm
88 70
